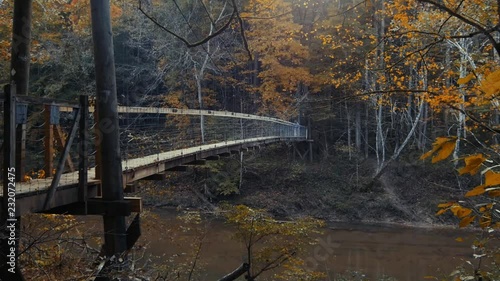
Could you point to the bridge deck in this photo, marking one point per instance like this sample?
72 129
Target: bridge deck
30 196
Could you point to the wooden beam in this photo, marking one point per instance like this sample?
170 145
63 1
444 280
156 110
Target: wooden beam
83 151
135 204
131 187
20 151
98 206
156 177
48 141
181 168
59 137
60 165
97 144
133 231
212 158
64 105
108 207
63 197
197 163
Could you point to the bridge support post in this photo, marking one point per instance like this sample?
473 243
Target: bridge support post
19 70
49 140
83 151
115 238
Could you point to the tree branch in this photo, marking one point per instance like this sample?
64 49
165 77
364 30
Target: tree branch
236 273
466 20
186 42
242 31
270 18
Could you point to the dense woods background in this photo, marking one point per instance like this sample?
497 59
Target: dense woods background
378 77
378 81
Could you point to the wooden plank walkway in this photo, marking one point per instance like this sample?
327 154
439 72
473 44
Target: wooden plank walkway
31 195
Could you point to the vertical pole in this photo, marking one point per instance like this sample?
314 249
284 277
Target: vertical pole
115 241
20 151
48 141
20 67
97 144
309 138
83 151
9 269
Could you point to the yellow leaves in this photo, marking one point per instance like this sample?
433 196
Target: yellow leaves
472 164
478 190
492 178
446 205
442 148
465 214
466 221
465 79
41 174
491 84
494 193
116 11
485 220
27 178
440 212
459 239
460 211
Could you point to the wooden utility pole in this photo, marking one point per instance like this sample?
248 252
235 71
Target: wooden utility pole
19 79
20 69
115 240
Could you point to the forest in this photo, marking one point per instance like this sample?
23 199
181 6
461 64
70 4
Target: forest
399 97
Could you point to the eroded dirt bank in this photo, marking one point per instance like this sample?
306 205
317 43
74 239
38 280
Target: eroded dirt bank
333 189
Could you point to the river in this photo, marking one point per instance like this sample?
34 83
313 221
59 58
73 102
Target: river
405 253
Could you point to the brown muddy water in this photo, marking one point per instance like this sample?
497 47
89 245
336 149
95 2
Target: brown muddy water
405 253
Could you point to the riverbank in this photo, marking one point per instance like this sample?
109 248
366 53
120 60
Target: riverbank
333 189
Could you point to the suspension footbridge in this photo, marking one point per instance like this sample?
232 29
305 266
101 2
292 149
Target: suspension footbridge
57 145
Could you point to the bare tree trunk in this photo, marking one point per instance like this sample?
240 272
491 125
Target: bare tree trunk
349 143
380 141
367 87
199 75
357 127
396 154
199 88
461 115
241 170
367 145
423 125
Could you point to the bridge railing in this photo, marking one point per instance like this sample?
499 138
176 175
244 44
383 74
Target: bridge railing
157 130
44 127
